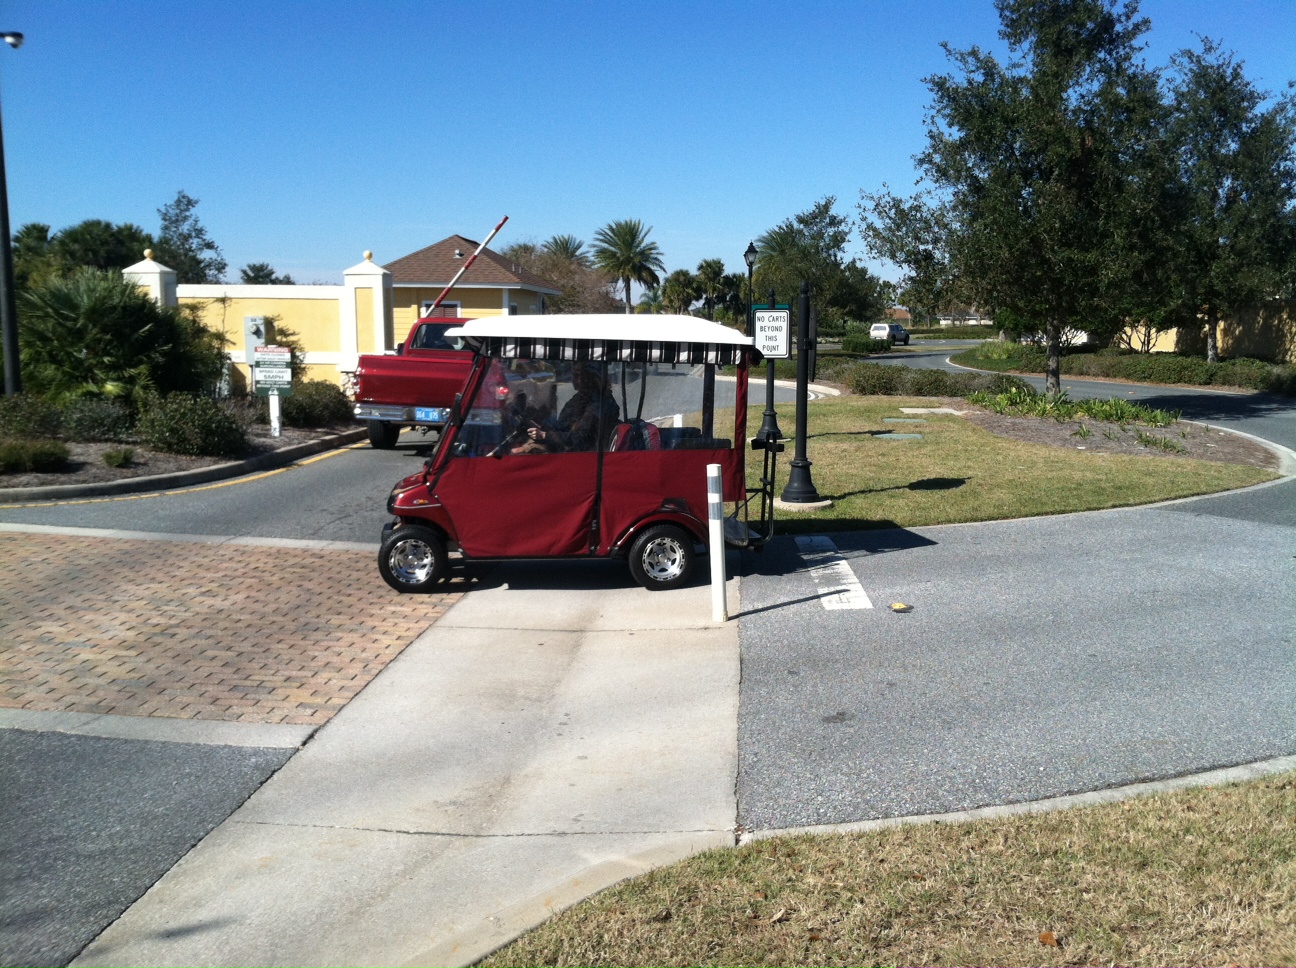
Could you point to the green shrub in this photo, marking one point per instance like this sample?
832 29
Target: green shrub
1007 383
121 457
184 424
94 418
862 343
26 416
938 383
94 333
874 379
316 403
26 456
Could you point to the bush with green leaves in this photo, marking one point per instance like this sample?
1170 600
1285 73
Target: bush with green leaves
28 416
28 456
316 403
94 418
1141 367
119 457
185 424
874 379
94 333
863 343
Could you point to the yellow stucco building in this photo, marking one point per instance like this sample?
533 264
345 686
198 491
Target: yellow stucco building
369 313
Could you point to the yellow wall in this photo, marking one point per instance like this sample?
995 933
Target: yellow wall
474 304
315 321
1268 333
365 320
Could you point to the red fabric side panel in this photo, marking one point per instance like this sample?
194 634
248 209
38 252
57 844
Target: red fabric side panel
521 505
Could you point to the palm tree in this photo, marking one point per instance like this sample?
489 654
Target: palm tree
680 291
569 249
711 281
651 300
622 250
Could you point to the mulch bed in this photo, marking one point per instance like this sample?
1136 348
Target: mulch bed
85 463
1180 439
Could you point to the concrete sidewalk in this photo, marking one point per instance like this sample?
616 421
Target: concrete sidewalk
536 744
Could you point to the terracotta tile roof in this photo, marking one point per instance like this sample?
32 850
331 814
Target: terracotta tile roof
437 264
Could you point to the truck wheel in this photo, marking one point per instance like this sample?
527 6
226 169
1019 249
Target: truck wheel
412 559
383 435
662 557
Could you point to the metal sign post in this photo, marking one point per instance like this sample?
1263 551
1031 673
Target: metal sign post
272 377
772 328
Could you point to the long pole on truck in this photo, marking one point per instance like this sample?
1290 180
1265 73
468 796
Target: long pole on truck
464 268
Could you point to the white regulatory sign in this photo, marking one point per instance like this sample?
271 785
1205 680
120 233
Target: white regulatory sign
773 329
280 376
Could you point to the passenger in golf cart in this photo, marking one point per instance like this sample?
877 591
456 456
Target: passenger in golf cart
640 494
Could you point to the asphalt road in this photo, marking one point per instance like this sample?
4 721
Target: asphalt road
88 824
1042 657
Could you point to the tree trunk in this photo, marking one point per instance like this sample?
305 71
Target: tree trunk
1212 337
1053 367
627 282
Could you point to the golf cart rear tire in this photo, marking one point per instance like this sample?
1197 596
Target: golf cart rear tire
413 559
383 435
662 558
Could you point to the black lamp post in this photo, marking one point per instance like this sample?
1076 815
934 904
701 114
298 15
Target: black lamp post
800 487
749 257
8 311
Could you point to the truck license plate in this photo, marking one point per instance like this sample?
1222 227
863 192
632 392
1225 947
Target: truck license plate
430 414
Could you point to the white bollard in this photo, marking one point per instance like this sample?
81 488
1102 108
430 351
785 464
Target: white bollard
715 533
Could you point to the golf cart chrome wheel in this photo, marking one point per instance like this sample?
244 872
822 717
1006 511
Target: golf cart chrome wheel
662 557
412 559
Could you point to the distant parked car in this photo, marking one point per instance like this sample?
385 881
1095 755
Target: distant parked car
891 332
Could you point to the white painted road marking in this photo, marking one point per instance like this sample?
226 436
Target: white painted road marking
837 584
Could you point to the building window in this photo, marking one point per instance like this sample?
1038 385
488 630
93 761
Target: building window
445 309
512 309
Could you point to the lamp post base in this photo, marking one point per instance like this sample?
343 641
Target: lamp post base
800 488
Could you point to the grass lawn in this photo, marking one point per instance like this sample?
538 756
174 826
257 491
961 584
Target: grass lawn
1195 877
959 472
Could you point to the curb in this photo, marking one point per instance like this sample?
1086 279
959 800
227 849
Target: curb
199 475
1232 774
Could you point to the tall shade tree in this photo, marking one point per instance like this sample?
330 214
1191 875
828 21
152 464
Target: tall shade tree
680 291
185 246
100 245
1030 166
263 274
568 248
561 261
811 246
622 250
1238 166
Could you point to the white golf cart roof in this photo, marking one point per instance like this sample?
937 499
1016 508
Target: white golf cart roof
605 336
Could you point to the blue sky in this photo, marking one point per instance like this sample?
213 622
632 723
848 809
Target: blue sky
313 131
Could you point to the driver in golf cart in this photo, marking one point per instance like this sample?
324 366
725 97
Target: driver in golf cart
577 426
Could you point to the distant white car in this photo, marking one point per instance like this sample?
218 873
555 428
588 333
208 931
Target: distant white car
891 332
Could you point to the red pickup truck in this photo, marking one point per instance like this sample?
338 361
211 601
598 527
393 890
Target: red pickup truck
413 388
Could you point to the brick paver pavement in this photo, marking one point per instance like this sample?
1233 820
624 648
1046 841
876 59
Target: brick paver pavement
196 631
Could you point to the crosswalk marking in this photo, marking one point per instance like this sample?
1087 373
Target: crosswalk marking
837 585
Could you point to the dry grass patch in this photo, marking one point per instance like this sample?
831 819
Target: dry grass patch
1196 877
959 472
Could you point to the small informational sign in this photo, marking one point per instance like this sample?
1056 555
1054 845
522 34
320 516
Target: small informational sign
272 371
773 333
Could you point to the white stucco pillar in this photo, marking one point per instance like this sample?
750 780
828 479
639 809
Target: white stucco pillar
155 277
366 275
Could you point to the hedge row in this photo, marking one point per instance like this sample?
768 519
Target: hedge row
1142 367
875 379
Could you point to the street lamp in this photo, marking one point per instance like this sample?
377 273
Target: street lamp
8 311
749 257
